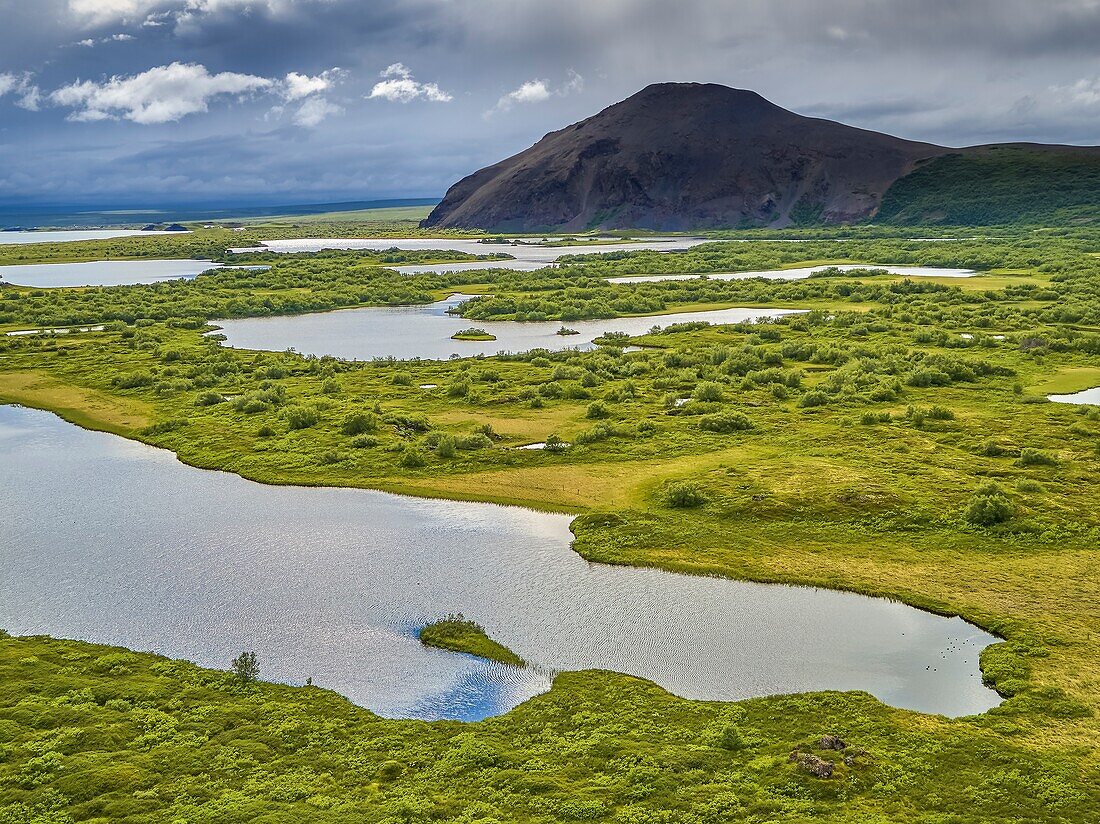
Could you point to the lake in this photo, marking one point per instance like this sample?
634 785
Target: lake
803 272
527 256
66 236
1085 396
103 272
406 332
112 541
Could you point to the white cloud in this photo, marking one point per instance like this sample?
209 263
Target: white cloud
533 91
1084 92
538 91
160 95
315 110
23 88
101 12
296 86
399 85
96 13
114 38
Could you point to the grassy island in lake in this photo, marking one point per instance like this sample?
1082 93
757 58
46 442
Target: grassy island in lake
473 333
458 634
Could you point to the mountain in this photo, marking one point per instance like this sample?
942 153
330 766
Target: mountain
689 155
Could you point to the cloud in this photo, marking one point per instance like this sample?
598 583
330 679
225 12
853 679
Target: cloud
314 111
160 95
538 91
296 86
88 42
21 85
399 85
101 12
1084 92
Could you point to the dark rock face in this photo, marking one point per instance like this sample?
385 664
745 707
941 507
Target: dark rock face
831 742
681 156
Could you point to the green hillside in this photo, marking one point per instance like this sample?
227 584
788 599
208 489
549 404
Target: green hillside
997 186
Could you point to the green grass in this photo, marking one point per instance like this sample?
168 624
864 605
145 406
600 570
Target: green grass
808 495
458 634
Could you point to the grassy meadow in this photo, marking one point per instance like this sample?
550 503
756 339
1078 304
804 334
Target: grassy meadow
895 440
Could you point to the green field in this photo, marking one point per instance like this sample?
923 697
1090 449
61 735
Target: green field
867 445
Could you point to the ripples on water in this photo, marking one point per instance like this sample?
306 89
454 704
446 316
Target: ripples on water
112 541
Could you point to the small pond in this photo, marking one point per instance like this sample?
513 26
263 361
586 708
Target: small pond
113 541
1085 396
102 272
70 235
528 253
804 272
406 332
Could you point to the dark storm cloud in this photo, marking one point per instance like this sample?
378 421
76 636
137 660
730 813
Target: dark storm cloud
223 98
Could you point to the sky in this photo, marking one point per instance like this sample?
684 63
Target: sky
294 101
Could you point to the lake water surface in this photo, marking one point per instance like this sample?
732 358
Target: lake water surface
68 236
527 256
103 272
406 332
803 272
1085 396
112 541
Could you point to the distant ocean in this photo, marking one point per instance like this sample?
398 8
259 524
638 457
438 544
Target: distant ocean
70 216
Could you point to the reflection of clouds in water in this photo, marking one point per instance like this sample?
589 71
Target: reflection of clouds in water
113 541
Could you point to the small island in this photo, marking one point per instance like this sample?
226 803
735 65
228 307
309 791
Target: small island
473 333
565 330
457 634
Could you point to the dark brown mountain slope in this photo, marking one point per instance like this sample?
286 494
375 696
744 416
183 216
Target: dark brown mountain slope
689 155
683 155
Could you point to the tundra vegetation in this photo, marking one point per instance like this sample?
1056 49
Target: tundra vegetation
895 440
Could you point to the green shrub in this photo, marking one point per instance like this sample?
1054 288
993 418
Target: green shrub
726 422
359 423
446 448
708 392
301 417
133 380
401 379
209 399
597 410
411 458
988 506
815 398
683 495
1036 457
476 440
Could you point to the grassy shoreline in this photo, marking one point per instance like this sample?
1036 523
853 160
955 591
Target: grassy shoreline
829 452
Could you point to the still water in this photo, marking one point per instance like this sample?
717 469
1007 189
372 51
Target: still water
1085 396
102 272
801 273
406 332
527 256
68 236
112 541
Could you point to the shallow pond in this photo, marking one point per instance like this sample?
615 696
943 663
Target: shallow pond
112 541
527 256
804 272
406 332
103 272
68 236
1085 396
